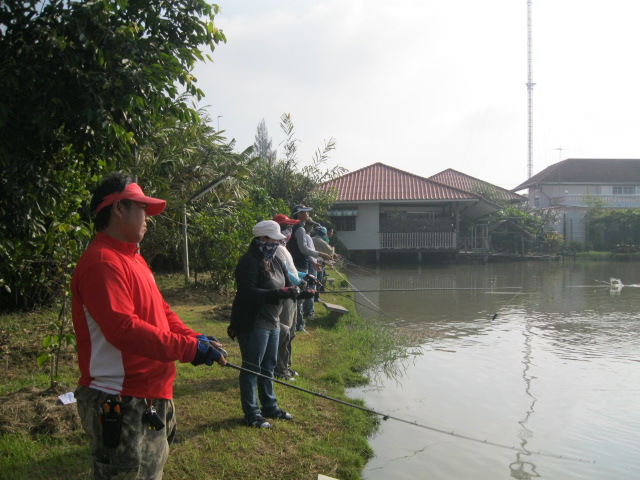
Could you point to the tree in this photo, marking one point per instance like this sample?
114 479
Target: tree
262 144
182 161
285 180
83 87
515 227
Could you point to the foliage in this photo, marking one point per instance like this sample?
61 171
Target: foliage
262 144
612 229
83 87
199 175
285 180
41 237
517 227
90 87
222 239
54 343
95 75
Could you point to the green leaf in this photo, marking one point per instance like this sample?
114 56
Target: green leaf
44 358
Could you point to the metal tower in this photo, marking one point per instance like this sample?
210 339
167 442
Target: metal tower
530 85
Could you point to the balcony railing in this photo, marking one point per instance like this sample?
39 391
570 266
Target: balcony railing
579 200
422 240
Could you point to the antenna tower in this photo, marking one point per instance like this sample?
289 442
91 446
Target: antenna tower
530 85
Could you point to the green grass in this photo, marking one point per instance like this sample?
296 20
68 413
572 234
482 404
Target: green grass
608 256
212 442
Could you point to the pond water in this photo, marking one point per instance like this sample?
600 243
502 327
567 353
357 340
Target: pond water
541 358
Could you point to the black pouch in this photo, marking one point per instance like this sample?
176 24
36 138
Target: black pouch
111 420
151 419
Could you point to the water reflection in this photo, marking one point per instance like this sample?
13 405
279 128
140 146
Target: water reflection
524 468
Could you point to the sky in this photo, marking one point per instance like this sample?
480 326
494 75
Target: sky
426 85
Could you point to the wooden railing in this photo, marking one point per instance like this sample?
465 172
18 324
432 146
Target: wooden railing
426 240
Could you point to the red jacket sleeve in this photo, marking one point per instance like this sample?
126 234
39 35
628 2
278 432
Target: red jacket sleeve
116 306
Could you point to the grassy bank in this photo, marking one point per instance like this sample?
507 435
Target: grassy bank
608 256
40 439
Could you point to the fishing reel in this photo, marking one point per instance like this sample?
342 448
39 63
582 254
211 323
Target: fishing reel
312 280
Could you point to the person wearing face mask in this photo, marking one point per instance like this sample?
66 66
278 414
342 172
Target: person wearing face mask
288 314
262 285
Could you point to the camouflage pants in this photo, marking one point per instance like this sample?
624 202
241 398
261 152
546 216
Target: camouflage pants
141 453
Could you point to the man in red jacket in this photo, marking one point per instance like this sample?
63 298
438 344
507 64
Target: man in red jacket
128 340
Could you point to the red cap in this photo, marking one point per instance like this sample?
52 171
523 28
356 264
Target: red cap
284 220
134 192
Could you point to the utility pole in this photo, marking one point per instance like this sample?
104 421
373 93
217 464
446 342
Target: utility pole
530 85
192 199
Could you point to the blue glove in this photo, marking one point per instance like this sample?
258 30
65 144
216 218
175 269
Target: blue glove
205 354
207 338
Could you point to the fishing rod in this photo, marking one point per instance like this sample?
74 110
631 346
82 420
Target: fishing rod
386 416
420 289
376 310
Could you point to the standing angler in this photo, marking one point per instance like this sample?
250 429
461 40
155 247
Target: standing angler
128 340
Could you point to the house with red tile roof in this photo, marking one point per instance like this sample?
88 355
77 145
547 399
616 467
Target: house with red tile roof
383 208
460 180
568 186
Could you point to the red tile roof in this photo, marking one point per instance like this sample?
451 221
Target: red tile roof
456 179
587 170
380 182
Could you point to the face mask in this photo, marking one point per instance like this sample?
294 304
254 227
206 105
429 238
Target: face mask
287 235
268 249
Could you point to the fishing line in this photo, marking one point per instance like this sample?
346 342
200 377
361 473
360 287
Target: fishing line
353 287
351 264
386 416
511 299
376 310
343 292
420 289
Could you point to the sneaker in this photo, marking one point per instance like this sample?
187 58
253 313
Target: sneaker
258 422
286 378
293 373
280 414
300 330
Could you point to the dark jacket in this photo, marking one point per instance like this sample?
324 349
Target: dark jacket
251 294
300 260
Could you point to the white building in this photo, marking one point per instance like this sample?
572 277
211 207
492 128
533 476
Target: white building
568 187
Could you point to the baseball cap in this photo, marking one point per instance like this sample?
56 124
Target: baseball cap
134 192
300 208
267 228
284 220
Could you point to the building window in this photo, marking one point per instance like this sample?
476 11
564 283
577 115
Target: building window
344 224
344 219
624 190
